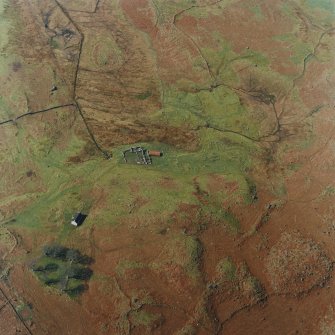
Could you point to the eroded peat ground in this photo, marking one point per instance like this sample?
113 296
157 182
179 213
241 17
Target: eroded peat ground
231 231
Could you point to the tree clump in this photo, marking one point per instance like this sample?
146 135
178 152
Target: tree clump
63 268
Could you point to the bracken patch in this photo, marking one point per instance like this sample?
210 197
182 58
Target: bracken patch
296 264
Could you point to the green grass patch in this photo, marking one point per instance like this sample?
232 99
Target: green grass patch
294 167
144 95
194 252
300 48
257 11
25 311
143 318
251 194
227 269
256 287
53 43
327 5
328 191
4 27
214 212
